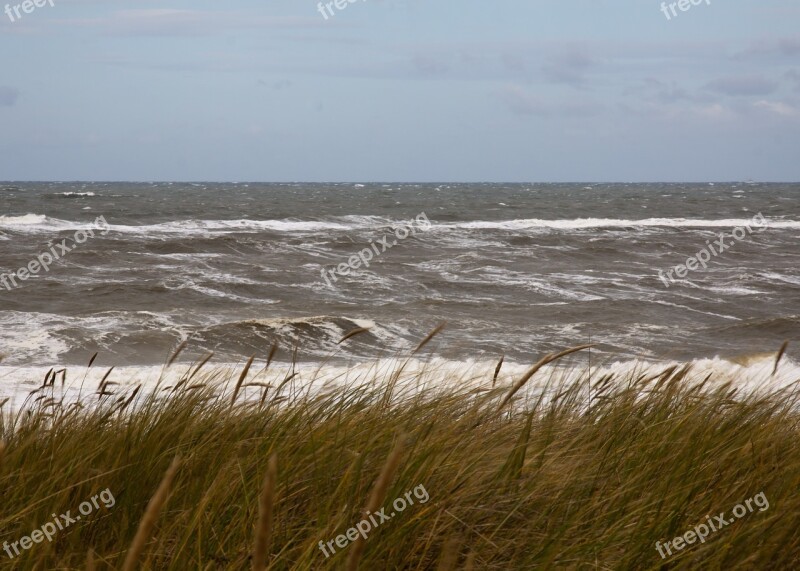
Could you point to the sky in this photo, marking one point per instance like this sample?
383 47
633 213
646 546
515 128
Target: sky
405 90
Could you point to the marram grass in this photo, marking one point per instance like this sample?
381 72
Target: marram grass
585 474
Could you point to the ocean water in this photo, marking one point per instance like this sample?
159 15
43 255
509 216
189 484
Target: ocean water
514 269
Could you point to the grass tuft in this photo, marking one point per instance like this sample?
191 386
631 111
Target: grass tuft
587 473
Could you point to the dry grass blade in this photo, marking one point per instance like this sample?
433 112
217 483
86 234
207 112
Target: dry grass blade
91 361
353 333
288 378
241 379
150 516
532 371
177 352
431 335
449 558
47 378
265 509
497 370
133 396
205 360
101 389
271 356
90 566
2 454
178 385
377 497
779 355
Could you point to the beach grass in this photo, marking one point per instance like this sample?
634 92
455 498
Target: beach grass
588 473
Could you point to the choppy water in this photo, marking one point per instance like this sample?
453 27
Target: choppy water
514 269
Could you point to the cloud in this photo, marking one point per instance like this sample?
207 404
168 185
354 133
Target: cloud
276 85
789 46
713 111
429 66
768 47
794 75
777 108
8 96
171 22
742 85
521 102
653 89
569 67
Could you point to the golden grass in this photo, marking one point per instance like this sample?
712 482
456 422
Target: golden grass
150 516
585 474
265 509
376 499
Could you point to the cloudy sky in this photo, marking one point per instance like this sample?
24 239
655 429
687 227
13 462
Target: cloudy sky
401 90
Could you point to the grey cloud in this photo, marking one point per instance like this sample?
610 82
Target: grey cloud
768 47
794 75
569 67
742 85
429 66
520 102
276 85
790 46
652 89
171 22
8 96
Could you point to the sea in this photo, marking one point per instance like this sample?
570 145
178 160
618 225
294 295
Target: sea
511 270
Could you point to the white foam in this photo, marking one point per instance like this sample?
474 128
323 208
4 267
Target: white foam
39 222
772 276
755 377
24 220
29 336
584 223
33 223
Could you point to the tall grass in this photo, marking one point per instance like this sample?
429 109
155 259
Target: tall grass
585 474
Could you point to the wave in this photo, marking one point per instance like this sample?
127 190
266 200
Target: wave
194 226
750 375
588 223
24 220
341 223
42 223
787 326
39 222
45 338
322 333
73 194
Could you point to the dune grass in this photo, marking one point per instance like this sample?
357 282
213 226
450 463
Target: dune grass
584 474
